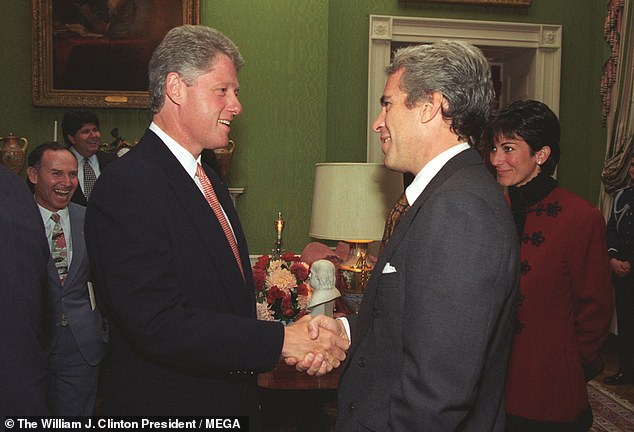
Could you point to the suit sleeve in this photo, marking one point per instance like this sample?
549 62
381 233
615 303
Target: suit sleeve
458 255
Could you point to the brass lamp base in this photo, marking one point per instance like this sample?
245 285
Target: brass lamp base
358 266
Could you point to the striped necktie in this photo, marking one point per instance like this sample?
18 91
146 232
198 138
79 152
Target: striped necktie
212 200
89 178
59 251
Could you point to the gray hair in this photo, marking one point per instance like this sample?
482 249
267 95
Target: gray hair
188 50
457 70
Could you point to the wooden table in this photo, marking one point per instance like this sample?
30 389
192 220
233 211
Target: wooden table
292 401
288 378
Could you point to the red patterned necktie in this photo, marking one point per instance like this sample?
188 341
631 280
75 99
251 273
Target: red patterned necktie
59 251
400 208
212 199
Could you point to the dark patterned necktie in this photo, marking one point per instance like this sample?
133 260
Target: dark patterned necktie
89 178
212 200
59 251
398 210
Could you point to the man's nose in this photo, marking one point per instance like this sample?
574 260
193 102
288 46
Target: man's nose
379 123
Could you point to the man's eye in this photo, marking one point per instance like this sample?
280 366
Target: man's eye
222 91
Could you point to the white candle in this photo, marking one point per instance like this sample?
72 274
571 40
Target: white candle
55 130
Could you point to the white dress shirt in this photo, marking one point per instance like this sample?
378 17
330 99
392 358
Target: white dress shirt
429 171
186 159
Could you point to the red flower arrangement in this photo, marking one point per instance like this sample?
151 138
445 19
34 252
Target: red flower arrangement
282 290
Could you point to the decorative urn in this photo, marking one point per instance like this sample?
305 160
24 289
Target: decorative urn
13 152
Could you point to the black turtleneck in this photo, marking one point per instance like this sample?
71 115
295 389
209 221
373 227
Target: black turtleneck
523 197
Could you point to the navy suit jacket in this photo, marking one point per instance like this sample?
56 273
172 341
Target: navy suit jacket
431 342
104 158
24 255
72 299
183 334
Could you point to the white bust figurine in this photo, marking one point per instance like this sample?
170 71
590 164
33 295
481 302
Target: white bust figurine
322 280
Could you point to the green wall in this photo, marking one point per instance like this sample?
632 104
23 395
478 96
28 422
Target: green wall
304 92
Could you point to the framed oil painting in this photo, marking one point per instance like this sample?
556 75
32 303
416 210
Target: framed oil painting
94 53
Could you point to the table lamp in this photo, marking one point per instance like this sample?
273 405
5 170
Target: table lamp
351 202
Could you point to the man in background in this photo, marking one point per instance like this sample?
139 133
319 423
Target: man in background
24 257
81 133
620 238
170 257
431 342
75 336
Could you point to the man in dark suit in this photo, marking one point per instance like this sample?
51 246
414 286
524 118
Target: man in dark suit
170 259
431 342
23 261
75 335
81 133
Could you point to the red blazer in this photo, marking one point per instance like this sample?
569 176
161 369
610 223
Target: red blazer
565 308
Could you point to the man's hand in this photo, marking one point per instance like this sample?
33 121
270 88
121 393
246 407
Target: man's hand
620 268
312 363
321 345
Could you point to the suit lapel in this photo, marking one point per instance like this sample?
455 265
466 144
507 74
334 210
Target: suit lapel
227 204
79 246
210 232
465 158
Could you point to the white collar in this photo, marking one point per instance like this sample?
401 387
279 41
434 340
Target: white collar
430 170
184 157
46 213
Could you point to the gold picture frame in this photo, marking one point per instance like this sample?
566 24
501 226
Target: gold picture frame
523 3
94 53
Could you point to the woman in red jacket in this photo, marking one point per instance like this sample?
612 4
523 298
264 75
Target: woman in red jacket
566 298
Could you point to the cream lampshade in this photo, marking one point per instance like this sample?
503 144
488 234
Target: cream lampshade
351 202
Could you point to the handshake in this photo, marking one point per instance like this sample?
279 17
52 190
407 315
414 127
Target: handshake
315 345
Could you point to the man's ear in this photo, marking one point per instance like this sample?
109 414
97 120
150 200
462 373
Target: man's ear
31 173
174 87
431 108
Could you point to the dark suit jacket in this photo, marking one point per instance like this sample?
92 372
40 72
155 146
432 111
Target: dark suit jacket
23 258
72 299
183 333
104 159
431 343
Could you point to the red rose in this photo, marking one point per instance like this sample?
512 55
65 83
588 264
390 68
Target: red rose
274 294
287 306
259 278
289 257
302 289
262 263
300 271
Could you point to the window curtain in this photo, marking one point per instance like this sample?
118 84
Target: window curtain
618 98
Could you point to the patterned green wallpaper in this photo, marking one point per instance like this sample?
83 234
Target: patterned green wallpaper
304 94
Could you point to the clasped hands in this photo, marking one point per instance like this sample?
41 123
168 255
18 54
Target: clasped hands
315 345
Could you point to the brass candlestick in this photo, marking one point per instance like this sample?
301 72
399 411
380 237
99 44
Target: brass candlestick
279 227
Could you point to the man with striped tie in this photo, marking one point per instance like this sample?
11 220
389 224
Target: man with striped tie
83 136
171 260
75 335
